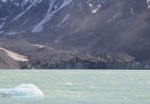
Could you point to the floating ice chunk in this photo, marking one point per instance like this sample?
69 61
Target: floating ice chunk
23 90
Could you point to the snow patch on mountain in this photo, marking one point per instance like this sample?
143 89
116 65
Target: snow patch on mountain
3 0
148 3
11 32
132 11
34 2
114 17
3 23
39 27
1 32
39 46
63 20
94 9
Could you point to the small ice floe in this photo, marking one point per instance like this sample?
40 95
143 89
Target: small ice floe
21 91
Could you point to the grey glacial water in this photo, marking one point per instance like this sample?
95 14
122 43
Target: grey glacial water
76 87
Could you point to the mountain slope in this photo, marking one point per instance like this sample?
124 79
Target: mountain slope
87 25
43 57
11 60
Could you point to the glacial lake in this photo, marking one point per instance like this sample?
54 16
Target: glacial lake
75 86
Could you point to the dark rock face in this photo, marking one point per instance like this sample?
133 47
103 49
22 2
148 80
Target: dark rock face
87 25
43 57
87 64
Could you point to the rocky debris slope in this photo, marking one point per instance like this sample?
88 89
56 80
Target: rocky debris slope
44 57
10 60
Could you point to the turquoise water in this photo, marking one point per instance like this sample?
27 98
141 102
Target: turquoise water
80 87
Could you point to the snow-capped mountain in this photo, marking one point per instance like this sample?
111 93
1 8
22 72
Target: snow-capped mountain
38 15
18 16
93 25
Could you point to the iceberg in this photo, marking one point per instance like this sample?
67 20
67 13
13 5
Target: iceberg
23 90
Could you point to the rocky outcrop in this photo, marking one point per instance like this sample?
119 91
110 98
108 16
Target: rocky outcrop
87 64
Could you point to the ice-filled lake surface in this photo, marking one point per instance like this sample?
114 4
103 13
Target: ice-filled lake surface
75 87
